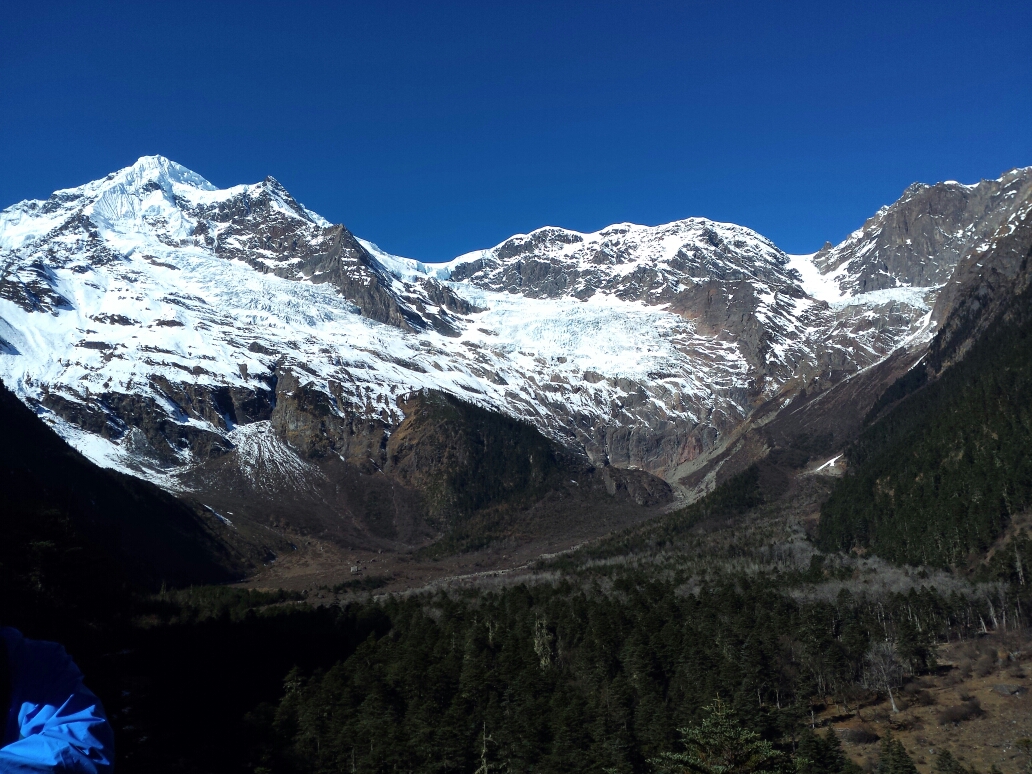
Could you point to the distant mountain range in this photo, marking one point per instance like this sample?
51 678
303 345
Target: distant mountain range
276 371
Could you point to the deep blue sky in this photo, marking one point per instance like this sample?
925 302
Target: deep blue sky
438 128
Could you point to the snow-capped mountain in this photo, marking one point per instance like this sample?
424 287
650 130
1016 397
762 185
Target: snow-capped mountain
919 240
159 323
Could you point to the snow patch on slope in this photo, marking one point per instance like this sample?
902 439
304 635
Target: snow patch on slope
823 287
262 457
407 269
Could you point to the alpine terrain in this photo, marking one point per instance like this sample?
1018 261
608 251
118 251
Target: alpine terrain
656 498
237 349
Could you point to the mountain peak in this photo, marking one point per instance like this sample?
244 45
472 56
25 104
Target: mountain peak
161 170
643 346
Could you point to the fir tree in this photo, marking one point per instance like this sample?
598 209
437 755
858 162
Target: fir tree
816 755
894 759
720 745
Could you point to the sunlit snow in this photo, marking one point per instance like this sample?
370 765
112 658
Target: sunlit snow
138 296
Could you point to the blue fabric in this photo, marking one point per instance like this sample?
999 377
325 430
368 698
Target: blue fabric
54 723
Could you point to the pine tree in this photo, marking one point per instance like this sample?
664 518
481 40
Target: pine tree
719 745
816 755
837 759
945 763
894 759
810 757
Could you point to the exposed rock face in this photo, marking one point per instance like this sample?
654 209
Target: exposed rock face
730 282
322 422
463 457
159 323
142 423
450 468
990 274
266 228
919 240
992 270
29 286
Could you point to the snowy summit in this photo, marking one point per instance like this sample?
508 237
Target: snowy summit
150 317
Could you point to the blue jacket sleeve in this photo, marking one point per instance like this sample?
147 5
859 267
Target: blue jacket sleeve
61 725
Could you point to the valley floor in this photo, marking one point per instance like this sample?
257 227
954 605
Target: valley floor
316 565
976 704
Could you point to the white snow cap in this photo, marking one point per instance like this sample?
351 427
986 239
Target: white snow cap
144 289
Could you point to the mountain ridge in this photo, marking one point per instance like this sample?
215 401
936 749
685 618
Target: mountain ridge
148 316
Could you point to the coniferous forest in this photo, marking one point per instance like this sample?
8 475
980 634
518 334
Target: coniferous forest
724 636
941 476
651 651
600 670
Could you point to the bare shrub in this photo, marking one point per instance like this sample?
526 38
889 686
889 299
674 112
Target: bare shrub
959 713
859 735
985 666
880 715
906 723
920 698
875 578
953 678
989 646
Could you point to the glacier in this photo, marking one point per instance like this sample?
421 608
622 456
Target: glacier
153 320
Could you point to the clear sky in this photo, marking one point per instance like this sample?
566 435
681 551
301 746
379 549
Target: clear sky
438 128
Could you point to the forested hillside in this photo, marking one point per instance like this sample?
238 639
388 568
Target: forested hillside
594 662
600 659
569 677
946 472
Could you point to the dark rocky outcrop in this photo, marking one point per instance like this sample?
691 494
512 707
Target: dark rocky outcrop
148 426
266 228
31 286
319 424
450 473
483 475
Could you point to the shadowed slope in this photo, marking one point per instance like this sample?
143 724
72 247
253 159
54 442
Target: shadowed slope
155 536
